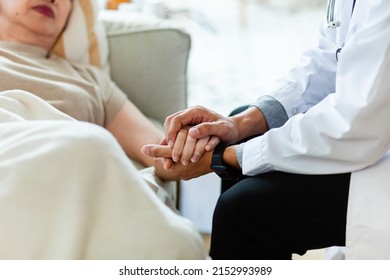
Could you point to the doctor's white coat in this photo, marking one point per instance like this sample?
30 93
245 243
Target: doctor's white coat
340 121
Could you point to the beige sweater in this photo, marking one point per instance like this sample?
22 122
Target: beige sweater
80 91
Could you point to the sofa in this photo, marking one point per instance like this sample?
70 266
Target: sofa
148 59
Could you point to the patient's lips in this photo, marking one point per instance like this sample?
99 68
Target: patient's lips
44 10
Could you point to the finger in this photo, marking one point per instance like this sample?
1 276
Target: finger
188 150
199 149
179 144
167 125
163 142
190 116
168 119
213 142
154 150
208 129
168 164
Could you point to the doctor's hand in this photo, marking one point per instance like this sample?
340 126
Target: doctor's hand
203 123
176 170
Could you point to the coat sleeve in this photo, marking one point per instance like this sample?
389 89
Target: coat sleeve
312 79
347 130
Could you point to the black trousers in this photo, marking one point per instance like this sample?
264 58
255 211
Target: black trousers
273 215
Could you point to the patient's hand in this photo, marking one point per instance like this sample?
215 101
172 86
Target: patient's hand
187 149
183 160
176 170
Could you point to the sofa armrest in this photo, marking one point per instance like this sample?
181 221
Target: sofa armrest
148 61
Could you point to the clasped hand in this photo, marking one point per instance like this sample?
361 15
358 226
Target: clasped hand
191 136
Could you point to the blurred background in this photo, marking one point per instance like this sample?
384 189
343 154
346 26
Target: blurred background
250 45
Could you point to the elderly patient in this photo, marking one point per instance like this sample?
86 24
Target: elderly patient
67 188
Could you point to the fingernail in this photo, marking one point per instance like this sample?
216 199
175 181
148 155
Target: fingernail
184 162
194 131
194 159
170 144
145 151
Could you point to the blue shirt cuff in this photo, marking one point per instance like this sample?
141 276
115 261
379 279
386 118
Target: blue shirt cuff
273 111
274 114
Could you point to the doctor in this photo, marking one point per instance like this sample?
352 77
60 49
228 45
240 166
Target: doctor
313 173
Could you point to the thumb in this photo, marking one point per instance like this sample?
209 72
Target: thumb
154 150
206 129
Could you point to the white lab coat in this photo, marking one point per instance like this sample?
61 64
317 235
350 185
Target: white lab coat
346 122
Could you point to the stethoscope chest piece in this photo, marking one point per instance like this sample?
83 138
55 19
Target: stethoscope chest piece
332 23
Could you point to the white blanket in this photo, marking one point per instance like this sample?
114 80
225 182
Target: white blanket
67 191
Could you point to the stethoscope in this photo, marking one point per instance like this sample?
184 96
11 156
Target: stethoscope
332 23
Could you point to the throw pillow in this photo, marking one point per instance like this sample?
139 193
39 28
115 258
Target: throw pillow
84 39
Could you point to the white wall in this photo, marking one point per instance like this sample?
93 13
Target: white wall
296 5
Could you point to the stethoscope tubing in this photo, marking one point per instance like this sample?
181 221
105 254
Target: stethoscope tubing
330 7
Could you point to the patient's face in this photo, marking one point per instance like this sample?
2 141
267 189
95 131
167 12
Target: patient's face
33 21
